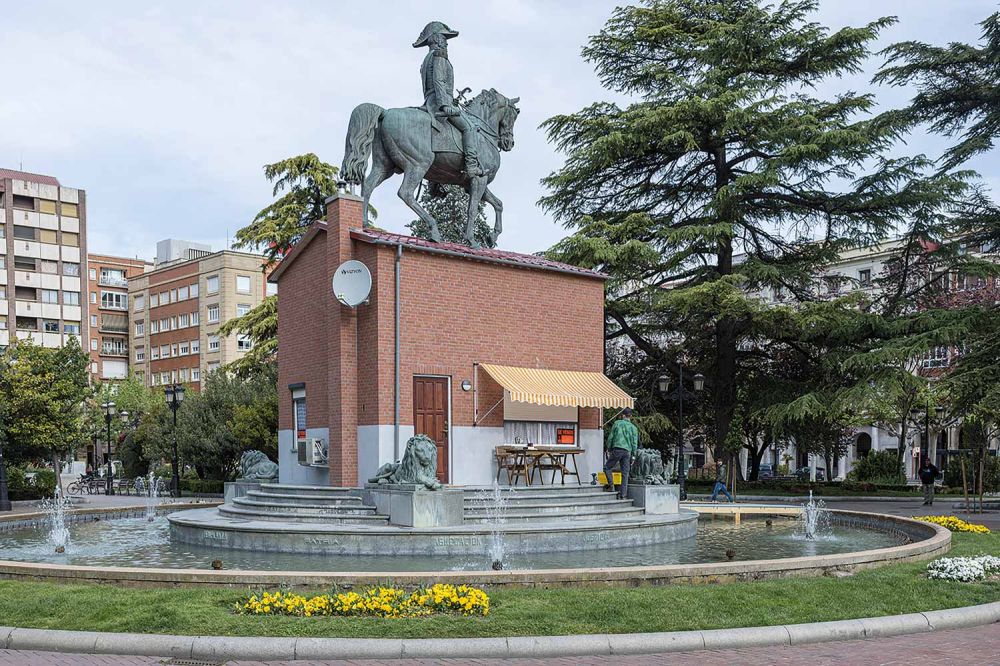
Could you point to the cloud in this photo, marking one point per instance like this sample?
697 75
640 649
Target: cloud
166 112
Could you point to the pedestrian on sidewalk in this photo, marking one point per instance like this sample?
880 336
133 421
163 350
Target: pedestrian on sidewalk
928 473
720 482
622 445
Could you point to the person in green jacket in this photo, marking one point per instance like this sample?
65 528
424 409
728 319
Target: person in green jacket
622 445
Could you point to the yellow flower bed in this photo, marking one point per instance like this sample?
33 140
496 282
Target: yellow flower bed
373 602
955 524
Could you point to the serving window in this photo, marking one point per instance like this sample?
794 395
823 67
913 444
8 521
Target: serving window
539 424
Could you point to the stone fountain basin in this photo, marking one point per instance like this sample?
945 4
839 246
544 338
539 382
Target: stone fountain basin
207 527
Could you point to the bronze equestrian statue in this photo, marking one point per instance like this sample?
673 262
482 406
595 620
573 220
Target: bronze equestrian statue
444 142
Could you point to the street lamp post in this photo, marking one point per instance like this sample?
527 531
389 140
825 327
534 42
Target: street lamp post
5 504
699 385
109 412
925 442
174 396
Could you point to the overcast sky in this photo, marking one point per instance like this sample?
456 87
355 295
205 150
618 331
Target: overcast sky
165 112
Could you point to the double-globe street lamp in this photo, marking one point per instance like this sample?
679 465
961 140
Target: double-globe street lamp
679 394
174 396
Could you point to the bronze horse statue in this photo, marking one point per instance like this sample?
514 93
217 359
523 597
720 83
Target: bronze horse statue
412 142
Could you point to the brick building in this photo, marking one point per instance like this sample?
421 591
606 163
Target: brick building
43 240
107 286
178 307
466 317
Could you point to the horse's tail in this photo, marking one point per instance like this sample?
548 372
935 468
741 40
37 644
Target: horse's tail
358 148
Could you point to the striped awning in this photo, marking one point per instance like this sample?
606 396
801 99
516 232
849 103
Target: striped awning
561 388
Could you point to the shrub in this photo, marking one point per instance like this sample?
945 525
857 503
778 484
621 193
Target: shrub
991 476
203 486
878 467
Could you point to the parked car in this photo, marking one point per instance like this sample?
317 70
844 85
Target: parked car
802 474
765 471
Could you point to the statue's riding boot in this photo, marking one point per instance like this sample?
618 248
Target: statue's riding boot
472 168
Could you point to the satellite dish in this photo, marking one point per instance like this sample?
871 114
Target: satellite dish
352 282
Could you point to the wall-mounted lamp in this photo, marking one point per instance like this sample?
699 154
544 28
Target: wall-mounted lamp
466 385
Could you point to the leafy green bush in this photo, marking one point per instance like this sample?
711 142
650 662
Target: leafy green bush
878 467
991 476
202 486
21 488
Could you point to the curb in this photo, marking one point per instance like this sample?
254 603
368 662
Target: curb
226 648
798 499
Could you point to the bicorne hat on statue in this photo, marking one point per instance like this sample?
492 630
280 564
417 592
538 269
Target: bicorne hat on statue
434 28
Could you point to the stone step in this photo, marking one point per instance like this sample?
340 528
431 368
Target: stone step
616 513
543 506
290 489
291 498
232 511
304 509
536 488
530 497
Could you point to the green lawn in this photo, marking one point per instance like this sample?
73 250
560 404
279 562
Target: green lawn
889 590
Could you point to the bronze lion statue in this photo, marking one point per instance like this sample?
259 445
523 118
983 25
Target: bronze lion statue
256 466
418 466
647 467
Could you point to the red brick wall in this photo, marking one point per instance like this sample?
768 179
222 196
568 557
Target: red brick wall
302 335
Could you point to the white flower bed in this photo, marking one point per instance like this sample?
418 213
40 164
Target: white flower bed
964 569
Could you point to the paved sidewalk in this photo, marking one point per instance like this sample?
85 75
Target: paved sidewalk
978 646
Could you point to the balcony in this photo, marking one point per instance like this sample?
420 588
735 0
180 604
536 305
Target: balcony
114 324
114 350
112 281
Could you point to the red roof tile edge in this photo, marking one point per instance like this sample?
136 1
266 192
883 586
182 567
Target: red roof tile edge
14 174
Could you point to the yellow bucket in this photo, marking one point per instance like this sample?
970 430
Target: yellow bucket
602 478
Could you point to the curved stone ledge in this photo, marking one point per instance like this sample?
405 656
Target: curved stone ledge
934 541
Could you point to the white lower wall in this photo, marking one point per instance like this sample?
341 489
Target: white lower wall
376 447
289 469
472 459
592 461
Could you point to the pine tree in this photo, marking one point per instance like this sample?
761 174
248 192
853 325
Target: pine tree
725 180
449 205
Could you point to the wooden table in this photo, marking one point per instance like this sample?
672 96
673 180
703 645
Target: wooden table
525 460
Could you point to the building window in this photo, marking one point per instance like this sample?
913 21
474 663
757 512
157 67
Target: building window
3 292
140 354
3 262
71 298
93 321
114 300
140 328
194 290
73 240
182 293
196 374
183 374
24 233
272 288
25 263
93 344
196 346
50 267
173 349
26 293
26 324
113 277
243 343
213 343
164 297
164 377
70 210
21 201
164 351
212 284
299 415
936 358
154 300
213 314
242 284
195 318
47 206
865 277
185 349
183 321
71 327
173 296
242 309
154 353
3 322
50 296
47 236
154 326
71 269
50 326
139 301
93 273
93 297
213 366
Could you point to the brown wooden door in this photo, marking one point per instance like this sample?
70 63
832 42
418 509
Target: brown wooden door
430 417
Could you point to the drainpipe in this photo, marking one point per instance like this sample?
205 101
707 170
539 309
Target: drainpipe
395 361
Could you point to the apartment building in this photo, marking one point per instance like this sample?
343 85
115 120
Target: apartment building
43 242
178 307
108 311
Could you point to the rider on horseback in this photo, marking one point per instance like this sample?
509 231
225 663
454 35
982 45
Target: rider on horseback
438 79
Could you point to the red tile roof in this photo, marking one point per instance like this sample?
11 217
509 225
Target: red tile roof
479 254
24 175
